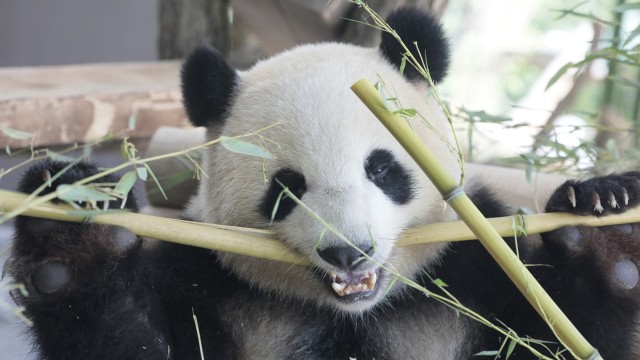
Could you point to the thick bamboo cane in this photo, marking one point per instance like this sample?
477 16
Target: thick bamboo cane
251 242
263 244
469 213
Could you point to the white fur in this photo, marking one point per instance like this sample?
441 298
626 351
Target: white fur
326 134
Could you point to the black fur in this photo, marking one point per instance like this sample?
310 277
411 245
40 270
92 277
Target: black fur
390 176
295 182
208 85
133 304
417 26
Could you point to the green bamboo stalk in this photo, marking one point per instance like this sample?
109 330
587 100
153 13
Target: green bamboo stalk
448 231
254 243
469 213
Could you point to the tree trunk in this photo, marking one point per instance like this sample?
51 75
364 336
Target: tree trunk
186 24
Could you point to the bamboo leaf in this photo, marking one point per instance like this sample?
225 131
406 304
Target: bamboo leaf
79 193
133 119
512 346
155 179
406 112
487 353
245 148
123 151
15 134
403 64
142 173
440 283
632 35
126 183
276 206
558 74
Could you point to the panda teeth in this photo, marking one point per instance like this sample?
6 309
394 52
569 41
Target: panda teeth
365 282
339 288
371 280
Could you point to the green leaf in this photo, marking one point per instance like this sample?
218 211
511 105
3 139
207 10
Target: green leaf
632 35
512 345
15 134
406 112
155 179
142 173
245 148
123 151
383 96
487 353
440 283
78 193
276 206
559 73
126 183
403 63
133 119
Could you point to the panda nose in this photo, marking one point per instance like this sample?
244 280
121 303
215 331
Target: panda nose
346 256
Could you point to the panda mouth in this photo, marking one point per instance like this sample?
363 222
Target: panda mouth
353 286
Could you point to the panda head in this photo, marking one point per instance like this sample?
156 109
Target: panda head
332 153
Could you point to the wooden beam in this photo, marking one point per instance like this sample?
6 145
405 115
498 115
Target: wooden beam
80 103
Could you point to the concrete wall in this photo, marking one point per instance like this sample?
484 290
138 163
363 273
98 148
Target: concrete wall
46 32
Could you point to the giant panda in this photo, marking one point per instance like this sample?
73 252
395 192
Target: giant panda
94 292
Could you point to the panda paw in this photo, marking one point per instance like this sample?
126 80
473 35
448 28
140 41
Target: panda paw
598 257
50 256
598 196
604 256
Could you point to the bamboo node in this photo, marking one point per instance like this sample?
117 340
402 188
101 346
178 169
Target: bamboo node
455 192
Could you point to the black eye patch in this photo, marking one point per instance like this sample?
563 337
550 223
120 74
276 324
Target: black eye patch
292 180
390 176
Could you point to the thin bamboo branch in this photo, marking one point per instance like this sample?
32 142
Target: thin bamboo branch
566 332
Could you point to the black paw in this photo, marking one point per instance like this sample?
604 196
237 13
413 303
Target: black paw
598 257
598 196
49 255
52 174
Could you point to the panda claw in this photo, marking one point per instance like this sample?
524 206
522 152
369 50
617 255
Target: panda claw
46 177
625 196
612 201
597 205
571 194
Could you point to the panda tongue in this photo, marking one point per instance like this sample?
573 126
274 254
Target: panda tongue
347 284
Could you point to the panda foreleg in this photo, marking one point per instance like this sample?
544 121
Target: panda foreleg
86 289
594 271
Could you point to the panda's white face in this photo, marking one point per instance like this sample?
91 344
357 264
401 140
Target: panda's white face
339 160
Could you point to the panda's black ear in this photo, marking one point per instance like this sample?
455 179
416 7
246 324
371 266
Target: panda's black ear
208 84
415 26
